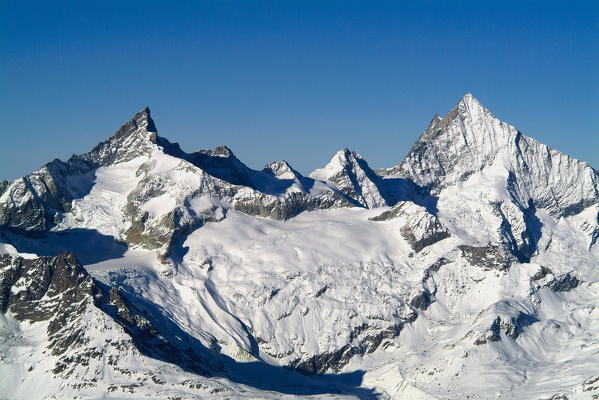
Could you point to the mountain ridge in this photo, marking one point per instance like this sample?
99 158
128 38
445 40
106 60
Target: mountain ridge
473 260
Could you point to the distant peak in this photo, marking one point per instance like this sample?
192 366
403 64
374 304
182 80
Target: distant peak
468 102
143 119
281 169
280 164
220 151
468 97
140 121
346 155
467 105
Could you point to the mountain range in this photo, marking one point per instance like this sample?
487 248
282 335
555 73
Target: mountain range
138 270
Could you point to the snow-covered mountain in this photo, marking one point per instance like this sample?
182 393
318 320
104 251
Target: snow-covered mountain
138 270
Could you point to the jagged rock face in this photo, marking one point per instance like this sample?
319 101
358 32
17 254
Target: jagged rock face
421 228
289 206
517 228
563 283
350 173
36 202
136 138
282 170
57 290
26 282
470 139
3 186
162 209
490 256
87 324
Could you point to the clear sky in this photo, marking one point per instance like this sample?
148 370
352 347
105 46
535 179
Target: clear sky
291 80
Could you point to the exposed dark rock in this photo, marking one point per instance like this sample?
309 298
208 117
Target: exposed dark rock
421 228
54 289
422 301
434 235
490 256
352 175
3 186
393 212
359 345
59 290
293 204
511 328
429 288
436 266
37 201
563 283
541 273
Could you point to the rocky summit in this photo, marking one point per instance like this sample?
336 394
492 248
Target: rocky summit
467 271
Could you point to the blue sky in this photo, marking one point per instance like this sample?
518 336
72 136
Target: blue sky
292 80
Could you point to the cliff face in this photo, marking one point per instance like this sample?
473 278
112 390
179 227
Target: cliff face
471 140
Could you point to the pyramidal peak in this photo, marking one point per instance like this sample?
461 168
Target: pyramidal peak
141 121
470 139
351 174
469 101
136 137
346 156
468 109
281 169
469 98
347 159
144 120
342 160
470 106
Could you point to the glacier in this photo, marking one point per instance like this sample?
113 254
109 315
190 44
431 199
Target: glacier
138 270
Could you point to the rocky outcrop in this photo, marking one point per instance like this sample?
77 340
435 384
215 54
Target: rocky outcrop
60 292
510 327
3 186
289 206
420 229
490 256
53 289
138 137
563 283
541 273
352 176
335 361
519 229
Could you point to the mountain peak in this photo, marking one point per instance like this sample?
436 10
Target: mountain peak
345 156
468 97
352 175
470 139
140 121
136 137
469 104
282 170
144 119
